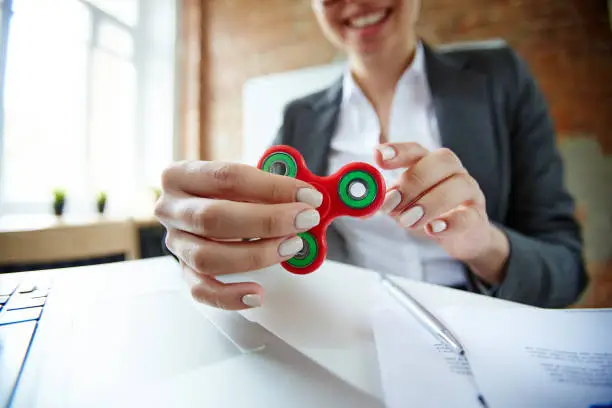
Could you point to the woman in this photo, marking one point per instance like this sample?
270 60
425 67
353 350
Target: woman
464 140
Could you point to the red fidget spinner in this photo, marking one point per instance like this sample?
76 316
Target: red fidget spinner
356 190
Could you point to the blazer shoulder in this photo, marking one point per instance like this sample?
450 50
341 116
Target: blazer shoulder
298 108
492 58
307 101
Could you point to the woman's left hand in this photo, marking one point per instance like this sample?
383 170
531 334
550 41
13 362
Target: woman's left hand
437 195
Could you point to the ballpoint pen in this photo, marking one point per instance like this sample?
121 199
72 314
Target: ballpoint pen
425 318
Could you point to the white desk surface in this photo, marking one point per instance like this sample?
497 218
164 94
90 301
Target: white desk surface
324 315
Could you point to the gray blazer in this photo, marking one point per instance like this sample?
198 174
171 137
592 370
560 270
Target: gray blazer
493 116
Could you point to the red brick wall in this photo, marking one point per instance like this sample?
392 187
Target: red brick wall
568 44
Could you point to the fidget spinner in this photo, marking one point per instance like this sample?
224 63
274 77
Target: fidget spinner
356 190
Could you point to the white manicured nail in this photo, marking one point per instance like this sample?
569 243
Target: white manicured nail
438 226
290 247
387 152
412 216
252 300
310 197
392 200
307 219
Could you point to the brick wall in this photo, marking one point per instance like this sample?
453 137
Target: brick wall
568 44
253 38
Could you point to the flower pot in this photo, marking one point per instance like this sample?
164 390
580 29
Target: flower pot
58 207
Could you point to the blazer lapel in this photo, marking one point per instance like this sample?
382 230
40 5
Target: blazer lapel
463 109
316 129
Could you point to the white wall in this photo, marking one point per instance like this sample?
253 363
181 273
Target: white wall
265 97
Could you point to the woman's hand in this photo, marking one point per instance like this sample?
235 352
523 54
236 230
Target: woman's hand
436 194
210 208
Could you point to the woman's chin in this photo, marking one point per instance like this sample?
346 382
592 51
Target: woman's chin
367 50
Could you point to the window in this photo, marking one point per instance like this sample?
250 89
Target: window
74 104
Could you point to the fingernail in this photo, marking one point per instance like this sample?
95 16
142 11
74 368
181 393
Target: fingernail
290 247
252 300
387 152
438 226
310 197
307 219
412 216
392 200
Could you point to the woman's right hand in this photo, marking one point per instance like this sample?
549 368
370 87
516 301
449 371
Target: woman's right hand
209 209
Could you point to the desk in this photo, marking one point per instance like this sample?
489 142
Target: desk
323 315
44 241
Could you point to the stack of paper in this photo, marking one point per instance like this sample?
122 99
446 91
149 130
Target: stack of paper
515 357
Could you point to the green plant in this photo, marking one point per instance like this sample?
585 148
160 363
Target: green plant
101 197
59 195
101 202
157 192
59 201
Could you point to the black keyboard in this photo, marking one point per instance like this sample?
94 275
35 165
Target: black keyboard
21 306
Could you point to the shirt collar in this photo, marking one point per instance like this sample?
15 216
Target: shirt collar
350 89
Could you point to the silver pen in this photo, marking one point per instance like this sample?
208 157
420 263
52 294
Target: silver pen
428 320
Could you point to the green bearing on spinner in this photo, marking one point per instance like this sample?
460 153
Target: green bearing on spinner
357 189
280 163
307 254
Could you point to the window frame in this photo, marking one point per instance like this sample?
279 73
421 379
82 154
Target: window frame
7 13
98 18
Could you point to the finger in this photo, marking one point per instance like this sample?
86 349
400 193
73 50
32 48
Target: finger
454 191
415 182
222 219
399 155
457 221
237 182
209 257
229 296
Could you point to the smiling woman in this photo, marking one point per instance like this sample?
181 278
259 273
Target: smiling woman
461 135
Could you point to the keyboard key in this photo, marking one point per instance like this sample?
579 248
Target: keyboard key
20 315
39 293
14 343
26 287
22 302
7 287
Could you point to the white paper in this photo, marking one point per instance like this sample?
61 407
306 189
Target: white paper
537 358
326 314
416 369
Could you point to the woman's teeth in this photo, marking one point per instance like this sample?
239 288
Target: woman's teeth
368 20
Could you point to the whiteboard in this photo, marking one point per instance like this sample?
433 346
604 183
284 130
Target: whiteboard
265 97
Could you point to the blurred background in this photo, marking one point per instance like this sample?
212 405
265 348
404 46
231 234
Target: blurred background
99 96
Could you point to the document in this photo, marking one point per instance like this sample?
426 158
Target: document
532 358
416 369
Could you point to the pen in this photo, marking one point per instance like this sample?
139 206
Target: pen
428 320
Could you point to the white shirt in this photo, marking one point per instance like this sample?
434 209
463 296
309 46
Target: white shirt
380 243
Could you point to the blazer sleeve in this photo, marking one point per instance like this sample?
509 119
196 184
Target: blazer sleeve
545 267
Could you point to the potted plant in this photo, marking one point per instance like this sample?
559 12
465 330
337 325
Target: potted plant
156 192
59 201
101 202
